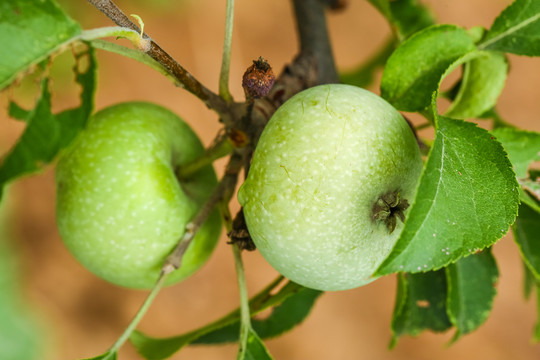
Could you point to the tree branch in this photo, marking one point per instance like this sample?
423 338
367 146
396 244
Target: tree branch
314 40
224 190
190 83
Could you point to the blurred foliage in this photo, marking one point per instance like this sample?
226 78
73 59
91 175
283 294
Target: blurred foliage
19 333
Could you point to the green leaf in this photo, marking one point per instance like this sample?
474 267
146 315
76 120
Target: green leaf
471 291
526 198
296 302
482 83
516 30
20 336
529 281
364 74
523 147
420 304
382 6
405 16
536 333
157 349
47 134
532 188
107 356
409 17
255 349
527 236
283 318
17 112
413 72
466 200
30 31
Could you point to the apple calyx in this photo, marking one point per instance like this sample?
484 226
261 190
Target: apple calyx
388 208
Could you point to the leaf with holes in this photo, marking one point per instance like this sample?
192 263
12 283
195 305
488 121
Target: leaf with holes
420 304
47 133
30 31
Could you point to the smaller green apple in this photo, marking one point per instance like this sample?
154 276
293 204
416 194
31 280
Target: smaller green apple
120 208
331 178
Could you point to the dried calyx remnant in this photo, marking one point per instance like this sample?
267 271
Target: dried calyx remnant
258 79
388 207
239 234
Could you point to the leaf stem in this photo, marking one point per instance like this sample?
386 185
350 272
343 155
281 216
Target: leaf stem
245 317
135 55
110 31
139 315
223 147
224 190
226 57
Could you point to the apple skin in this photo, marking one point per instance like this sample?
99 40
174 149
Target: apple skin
120 208
322 162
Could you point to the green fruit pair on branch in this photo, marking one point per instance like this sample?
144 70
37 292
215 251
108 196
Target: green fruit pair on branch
331 180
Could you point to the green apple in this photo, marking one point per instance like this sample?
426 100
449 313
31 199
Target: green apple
329 186
120 208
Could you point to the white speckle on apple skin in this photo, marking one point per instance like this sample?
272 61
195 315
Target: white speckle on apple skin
322 161
120 209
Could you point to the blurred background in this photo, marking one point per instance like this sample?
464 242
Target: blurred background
74 314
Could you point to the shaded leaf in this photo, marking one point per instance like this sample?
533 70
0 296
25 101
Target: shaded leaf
536 333
523 147
516 30
20 336
413 72
364 74
532 188
255 349
46 134
420 304
17 112
527 236
526 198
296 302
471 291
107 356
466 200
405 16
482 83
29 32
529 281
283 318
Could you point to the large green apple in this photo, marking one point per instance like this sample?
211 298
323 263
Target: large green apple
330 182
120 208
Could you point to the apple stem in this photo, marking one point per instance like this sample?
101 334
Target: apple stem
223 191
223 146
226 57
139 315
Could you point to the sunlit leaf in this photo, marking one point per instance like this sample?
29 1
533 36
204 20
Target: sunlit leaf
466 200
516 30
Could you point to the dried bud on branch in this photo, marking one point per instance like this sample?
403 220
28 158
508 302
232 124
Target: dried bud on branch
258 79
